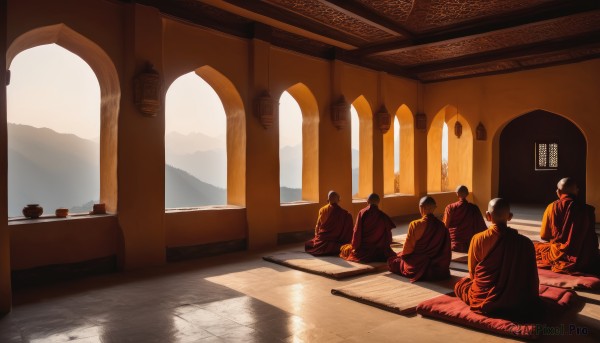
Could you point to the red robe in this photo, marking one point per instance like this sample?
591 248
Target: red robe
505 283
331 232
573 247
371 238
430 259
463 220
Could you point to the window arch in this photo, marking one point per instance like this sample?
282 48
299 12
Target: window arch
110 94
361 113
398 150
53 155
195 144
460 151
221 143
307 149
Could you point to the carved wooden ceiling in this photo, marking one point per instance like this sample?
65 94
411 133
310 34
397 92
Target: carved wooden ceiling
429 40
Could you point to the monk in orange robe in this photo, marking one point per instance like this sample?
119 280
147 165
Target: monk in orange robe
503 279
333 229
426 254
372 235
568 226
463 220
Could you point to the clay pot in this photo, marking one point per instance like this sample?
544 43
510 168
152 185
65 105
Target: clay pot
62 212
99 209
33 211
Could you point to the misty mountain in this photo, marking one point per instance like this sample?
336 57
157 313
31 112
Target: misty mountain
290 167
51 169
290 194
209 166
184 190
184 144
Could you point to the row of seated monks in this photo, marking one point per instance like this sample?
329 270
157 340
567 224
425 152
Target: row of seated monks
502 263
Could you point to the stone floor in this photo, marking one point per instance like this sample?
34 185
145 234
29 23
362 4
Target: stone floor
232 298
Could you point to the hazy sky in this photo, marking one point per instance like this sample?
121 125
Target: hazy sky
290 121
193 106
54 88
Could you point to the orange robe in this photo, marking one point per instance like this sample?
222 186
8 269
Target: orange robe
503 279
426 254
568 225
371 238
333 229
463 220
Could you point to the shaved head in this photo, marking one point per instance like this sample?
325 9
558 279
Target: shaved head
499 211
333 197
427 205
373 199
498 205
427 201
567 185
462 191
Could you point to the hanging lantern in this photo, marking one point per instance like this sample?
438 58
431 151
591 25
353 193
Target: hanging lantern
265 109
421 121
340 111
147 88
480 132
384 119
458 129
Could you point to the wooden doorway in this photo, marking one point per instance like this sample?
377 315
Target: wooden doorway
536 150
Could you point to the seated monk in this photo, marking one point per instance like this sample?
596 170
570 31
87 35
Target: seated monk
463 220
333 229
372 235
568 226
426 254
503 279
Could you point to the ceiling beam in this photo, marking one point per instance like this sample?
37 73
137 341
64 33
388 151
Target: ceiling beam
510 20
282 15
509 53
366 15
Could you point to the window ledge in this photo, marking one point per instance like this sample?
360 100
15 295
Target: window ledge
203 208
359 200
298 203
398 195
446 192
49 218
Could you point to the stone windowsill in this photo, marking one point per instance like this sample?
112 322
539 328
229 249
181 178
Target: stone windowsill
51 218
297 203
204 208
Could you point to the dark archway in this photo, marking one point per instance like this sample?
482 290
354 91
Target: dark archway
524 177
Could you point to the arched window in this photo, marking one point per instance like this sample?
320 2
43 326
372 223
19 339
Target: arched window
195 144
362 147
298 145
450 158
355 146
444 181
53 131
398 151
290 149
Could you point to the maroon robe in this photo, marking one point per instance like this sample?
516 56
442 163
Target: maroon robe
573 245
431 257
505 282
463 221
372 236
332 233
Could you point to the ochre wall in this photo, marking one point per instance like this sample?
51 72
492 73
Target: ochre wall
35 243
132 35
568 90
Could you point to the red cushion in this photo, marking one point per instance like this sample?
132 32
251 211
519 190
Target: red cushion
454 310
582 281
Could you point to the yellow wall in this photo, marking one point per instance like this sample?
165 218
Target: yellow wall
569 90
130 35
